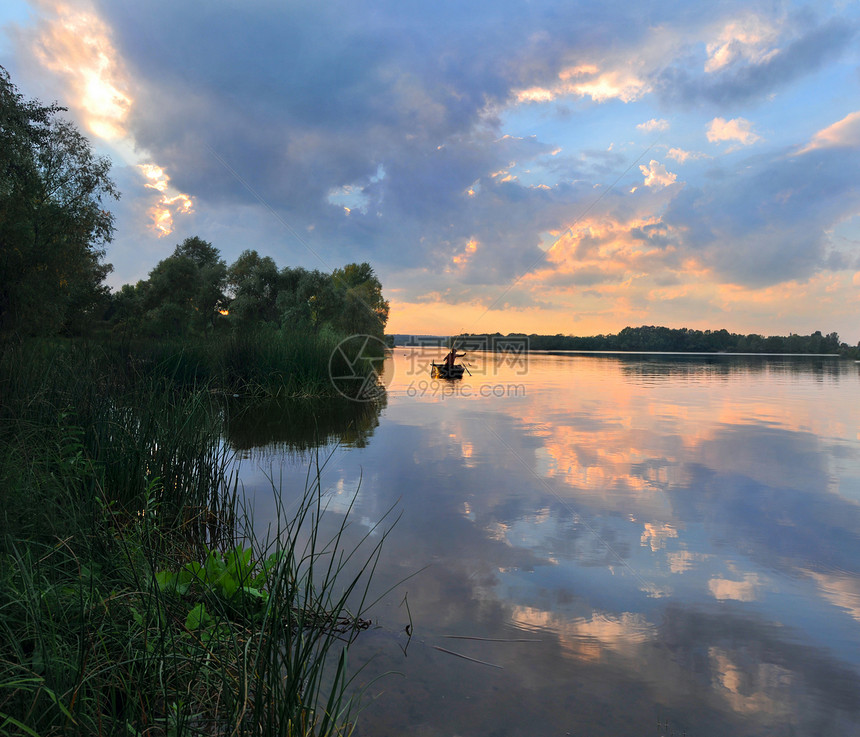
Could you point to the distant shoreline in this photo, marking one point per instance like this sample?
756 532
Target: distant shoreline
726 354
644 339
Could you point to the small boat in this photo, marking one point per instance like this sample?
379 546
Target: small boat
442 371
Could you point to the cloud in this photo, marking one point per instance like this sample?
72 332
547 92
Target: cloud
737 129
170 203
302 109
76 45
589 81
656 175
619 240
746 66
750 39
468 250
842 134
682 157
654 125
769 222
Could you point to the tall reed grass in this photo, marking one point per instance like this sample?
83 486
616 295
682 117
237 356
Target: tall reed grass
135 597
263 362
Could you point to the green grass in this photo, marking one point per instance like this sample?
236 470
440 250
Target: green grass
135 597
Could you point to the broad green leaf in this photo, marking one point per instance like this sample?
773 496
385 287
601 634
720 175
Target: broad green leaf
197 617
229 586
194 568
165 580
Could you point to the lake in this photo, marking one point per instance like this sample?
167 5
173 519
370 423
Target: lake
596 544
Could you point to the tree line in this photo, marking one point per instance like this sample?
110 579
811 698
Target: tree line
195 292
55 225
654 338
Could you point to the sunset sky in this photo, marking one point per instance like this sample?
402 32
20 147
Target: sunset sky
552 167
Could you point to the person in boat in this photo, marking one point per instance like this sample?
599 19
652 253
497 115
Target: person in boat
451 358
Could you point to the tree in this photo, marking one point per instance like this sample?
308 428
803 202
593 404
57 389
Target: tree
353 301
254 284
53 221
169 296
831 343
299 299
185 291
208 298
126 306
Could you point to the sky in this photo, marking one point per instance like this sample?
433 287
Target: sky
551 166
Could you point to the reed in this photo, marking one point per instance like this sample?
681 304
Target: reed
135 595
265 362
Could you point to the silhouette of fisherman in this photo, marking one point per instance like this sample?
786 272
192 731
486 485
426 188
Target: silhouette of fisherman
452 357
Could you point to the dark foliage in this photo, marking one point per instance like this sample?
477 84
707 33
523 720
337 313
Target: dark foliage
53 221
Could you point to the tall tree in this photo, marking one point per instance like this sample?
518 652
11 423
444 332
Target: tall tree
353 302
53 221
185 291
298 299
253 281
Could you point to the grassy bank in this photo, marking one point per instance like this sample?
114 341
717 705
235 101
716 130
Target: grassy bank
134 597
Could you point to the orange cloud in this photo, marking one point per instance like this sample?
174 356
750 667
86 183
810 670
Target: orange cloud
601 278
656 175
830 295
168 205
607 272
682 561
463 258
441 318
606 245
76 45
586 80
844 133
73 42
655 535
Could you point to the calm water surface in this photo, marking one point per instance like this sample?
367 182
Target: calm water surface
635 545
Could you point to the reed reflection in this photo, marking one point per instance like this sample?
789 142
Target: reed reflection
297 425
